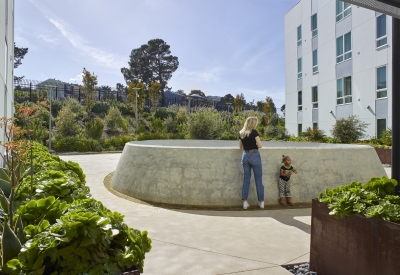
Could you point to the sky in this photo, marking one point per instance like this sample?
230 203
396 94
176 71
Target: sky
223 46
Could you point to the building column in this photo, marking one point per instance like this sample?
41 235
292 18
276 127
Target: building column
396 103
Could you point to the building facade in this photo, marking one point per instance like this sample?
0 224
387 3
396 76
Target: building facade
6 61
338 61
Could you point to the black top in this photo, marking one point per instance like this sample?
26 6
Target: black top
287 171
249 143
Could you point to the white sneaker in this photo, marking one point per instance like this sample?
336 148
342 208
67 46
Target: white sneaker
245 205
261 204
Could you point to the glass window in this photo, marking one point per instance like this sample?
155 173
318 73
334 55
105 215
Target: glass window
344 94
342 10
380 127
314 96
343 48
315 126
300 101
300 130
299 35
314 25
299 68
315 61
381 78
381 36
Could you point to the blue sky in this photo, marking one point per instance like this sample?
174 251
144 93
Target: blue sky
223 46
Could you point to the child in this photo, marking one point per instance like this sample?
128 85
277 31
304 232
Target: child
284 181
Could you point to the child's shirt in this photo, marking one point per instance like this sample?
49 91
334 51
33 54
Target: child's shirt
287 171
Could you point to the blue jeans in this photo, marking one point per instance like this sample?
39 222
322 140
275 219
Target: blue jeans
252 161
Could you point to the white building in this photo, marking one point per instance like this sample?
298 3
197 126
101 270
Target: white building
6 61
338 63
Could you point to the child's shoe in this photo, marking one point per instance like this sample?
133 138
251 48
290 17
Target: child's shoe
261 204
245 205
289 201
282 201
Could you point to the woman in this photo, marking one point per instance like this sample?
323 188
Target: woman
250 142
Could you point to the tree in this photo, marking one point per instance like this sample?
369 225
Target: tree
89 89
155 93
349 130
106 92
260 105
269 109
19 54
132 95
151 62
120 90
228 98
181 92
197 92
239 102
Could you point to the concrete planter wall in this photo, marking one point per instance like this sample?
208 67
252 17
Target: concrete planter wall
385 155
209 172
353 245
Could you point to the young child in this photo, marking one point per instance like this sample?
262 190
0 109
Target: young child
284 181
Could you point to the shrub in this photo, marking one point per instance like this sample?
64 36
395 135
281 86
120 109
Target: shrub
276 132
205 124
116 143
157 125
125 109
73 144
114 120
74 105
56 106
349 130
66 124
181 116
95 128
314 134
101 107
162 113
386 138
170 124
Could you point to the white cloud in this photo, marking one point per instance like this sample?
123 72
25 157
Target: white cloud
48 38
278 95
77 79
210 75
98 56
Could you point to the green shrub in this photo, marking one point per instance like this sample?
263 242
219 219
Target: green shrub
56 106
181 116
125 109
314 134
276 132
116 143
386 138
115 121
74 105
162 113
73 144
205 124
95 128
66 124
157 125
349 130
101 107
170 124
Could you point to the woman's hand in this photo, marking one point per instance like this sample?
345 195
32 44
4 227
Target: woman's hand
258 141
240 144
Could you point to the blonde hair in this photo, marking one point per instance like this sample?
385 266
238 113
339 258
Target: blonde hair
249 125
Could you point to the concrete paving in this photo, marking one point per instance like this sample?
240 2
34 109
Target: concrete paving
207 242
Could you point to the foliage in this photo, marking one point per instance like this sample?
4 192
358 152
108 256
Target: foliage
349 130
170 124
197 92
33 119
101 107
151 62
56 106
19 54
181 116
239 102
95 128
114 120
116 143
228 98
89 88
181 92
386 138
270 110
155 93
276 132
157 125
376 199
314 134
162 113
204 124
132 86
66 123
73 144
74 105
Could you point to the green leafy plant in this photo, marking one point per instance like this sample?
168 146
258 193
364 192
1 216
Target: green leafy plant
115 121
95 128
314 134
349 130
204 124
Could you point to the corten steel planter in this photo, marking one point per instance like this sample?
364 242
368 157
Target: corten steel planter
385 155
353 245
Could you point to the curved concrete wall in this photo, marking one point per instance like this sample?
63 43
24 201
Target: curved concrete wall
209 173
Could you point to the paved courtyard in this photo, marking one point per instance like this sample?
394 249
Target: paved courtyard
207 242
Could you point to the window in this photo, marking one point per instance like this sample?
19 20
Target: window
300 130
314 96
299 68
344 90
343 48
381 87
300 101
314 25
381 36
315 61
315 126
299 35
342 10
380 127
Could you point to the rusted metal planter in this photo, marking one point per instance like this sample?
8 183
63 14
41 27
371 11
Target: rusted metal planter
353 245
385 155
134 271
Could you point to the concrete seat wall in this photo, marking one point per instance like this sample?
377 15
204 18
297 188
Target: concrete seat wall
209 173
